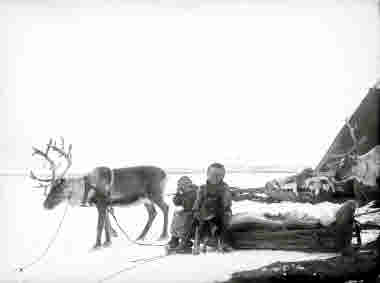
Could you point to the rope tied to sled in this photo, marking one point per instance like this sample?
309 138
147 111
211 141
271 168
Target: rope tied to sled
110 211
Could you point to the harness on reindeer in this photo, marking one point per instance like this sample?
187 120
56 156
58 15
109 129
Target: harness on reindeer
101 191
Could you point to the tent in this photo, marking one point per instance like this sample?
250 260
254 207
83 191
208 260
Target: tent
366 117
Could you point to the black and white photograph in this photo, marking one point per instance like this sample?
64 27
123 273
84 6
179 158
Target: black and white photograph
194 141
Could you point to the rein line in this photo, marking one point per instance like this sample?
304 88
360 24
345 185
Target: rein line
110 211
50 243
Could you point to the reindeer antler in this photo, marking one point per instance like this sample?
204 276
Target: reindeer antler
45 155
53 167
67 155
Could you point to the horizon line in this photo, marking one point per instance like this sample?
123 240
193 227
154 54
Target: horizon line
170 171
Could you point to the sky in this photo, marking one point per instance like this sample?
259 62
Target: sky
182 85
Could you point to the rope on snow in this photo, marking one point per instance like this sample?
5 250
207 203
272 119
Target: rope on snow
52 240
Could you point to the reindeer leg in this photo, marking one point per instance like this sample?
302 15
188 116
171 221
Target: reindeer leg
100 226
165 210
87 189
151 214
107 228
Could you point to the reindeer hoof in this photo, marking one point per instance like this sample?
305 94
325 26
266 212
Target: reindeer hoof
96 247
107 244
140 238
163 238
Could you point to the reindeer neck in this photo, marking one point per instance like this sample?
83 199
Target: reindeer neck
67 187
74 190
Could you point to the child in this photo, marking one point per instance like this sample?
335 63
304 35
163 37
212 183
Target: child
181 227
213 203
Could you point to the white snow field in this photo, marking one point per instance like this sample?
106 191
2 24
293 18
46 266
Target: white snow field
27 229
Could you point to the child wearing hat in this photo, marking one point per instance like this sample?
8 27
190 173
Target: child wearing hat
213 203
182 224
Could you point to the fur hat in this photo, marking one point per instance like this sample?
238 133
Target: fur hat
184 181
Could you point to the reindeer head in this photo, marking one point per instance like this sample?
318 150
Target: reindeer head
348 160
56 185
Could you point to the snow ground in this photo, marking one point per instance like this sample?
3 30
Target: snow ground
27 229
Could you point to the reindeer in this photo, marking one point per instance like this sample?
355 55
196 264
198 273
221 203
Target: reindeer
365 169
113 187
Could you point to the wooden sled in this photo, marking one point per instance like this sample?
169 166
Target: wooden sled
277 235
